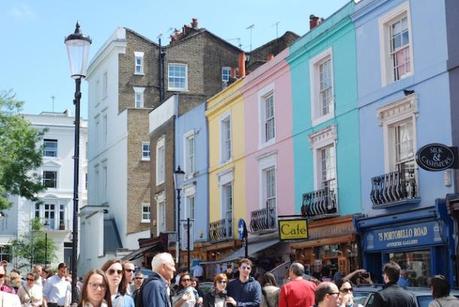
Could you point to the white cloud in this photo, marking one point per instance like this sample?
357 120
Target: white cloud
22 11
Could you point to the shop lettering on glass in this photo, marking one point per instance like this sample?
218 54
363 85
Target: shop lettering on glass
423 234
293 229
437 157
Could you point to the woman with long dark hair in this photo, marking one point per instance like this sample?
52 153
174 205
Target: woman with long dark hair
113 269
95 292
270 290
440 293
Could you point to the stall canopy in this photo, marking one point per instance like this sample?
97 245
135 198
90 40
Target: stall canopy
254 248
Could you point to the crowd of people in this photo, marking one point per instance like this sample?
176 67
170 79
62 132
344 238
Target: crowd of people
118 284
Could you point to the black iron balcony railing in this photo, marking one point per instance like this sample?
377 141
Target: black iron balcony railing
221 230
320 203
394 188
263 219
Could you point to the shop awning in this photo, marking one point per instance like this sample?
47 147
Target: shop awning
139 253
254 248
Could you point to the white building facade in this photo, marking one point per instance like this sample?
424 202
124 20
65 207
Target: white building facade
55 206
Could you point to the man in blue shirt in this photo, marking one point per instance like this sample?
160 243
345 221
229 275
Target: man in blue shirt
245 290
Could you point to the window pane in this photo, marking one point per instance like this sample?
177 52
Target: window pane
50 179
49 148
325 87
177 76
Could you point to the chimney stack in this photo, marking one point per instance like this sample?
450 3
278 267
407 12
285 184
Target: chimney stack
242 65
194 23
314 21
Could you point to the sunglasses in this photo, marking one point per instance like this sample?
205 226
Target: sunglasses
129 270
245 267
138 277
223 282
112 271
333 293
95 286
346 290
30 279
186 279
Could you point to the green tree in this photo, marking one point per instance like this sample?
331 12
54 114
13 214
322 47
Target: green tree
19 153
34 247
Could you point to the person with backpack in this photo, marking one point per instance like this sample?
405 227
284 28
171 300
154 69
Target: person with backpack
155 291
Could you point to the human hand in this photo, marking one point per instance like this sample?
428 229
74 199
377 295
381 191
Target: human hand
230 300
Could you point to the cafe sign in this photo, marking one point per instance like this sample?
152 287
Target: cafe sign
294 229
436 157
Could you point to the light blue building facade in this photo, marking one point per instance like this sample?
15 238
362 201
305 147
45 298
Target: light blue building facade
191 153
325 133
404 102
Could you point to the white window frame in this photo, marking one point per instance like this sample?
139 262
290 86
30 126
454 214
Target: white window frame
314 73
226 74
391 115
139 99
170 85
55 151
189 157
318 141
265 163
146 210
104 183
385 22
190 193
56 180
161 213
146 153
224 179
263 95
160 160
104 128
138 67
225 152
97 197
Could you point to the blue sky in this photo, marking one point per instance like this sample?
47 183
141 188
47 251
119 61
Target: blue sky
33 59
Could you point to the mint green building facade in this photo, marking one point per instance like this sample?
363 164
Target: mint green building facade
325 121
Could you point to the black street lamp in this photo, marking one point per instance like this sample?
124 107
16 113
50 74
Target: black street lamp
46 224
78 53
178 177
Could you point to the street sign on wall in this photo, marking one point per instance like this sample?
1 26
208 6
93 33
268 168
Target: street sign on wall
293 229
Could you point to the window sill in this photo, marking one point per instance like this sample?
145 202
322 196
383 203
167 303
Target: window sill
145 221
318 120
139 74
267 143
145 159
172 89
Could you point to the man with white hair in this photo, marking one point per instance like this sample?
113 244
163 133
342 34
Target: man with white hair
156 291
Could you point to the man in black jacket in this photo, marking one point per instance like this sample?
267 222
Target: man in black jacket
393 295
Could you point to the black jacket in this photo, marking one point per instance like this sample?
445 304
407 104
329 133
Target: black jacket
209 298
394 296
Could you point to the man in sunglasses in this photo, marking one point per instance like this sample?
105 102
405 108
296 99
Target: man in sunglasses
245 290
298 291
129 276
327 295
57 291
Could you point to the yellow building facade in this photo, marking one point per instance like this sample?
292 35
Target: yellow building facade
225 117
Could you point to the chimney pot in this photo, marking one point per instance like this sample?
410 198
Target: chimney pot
194 23
314 21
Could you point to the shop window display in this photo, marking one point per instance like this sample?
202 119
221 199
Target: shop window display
415 267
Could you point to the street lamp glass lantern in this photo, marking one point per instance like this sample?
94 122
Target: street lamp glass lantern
178 177
78 52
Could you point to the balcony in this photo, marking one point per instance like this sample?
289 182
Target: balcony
263 219
55 225
320 203
394 188
221 230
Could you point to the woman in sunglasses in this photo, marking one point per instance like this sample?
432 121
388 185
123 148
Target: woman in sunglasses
345 293
95 291
30 293
186 295
217 296
117 283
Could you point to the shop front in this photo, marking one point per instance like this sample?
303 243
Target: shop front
419 240
331 247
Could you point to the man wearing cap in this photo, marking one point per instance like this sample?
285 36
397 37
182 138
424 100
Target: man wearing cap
57 291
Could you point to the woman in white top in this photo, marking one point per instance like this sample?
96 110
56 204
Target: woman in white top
31 293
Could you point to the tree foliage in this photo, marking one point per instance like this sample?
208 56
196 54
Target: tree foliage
34 246
19 153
